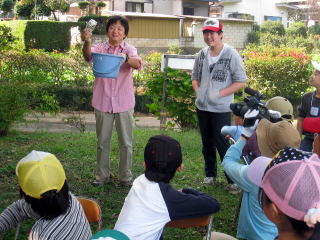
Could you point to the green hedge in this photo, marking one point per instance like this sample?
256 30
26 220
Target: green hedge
79 99
102 23
48 35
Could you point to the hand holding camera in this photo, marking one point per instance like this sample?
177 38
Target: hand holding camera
254 102
251 122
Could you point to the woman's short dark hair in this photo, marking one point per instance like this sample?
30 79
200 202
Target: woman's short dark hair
51 204
123 21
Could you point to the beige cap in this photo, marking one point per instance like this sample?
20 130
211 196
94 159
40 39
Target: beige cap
272 137
281 105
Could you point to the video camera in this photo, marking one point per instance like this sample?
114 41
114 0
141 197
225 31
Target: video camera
253 102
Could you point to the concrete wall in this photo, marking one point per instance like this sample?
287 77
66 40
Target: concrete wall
257 8
202 8
235 35
170 7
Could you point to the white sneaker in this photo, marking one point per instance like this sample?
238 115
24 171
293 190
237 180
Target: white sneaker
209 180
233 188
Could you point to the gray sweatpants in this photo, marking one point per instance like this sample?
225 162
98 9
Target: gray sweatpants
124 127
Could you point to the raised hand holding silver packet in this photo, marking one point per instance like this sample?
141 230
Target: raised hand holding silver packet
91 24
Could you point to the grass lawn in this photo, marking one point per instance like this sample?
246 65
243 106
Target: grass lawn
77 152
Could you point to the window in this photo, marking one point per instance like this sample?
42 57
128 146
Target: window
215 11
272 18
188 11
134 7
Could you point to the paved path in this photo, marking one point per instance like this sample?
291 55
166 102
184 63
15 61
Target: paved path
57 123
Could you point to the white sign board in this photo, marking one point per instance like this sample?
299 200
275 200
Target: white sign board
183 62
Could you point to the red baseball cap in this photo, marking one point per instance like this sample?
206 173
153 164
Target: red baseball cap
212 24
311 124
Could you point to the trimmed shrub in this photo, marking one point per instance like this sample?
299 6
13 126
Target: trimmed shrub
297 29
278 71
79 99
102 23
48 35
273 27
100 4
83 4
55 69
66 76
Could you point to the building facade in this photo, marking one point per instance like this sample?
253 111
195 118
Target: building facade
170 7
259 10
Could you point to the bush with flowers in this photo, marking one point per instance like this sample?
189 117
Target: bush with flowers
278 71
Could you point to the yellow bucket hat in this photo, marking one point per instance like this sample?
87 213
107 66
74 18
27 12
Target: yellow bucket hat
39 172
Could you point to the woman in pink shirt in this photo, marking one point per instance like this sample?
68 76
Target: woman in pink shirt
113 100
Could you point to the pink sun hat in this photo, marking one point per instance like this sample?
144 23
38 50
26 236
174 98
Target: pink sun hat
291 180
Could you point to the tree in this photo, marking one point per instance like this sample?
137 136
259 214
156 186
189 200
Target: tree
100 5
6 6
42 9
294 15
83 6
57 5
24 9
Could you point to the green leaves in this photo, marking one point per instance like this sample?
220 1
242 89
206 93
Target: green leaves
6 38
179 101
278 71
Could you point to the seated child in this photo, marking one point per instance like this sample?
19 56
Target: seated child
290 192
271 137
45 196
152 202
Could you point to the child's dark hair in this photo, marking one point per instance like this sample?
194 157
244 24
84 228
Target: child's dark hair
123 21
300 227
162 156
51 204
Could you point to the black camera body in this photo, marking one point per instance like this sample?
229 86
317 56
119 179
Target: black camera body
253 102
